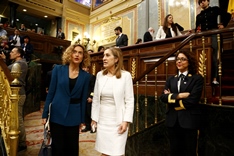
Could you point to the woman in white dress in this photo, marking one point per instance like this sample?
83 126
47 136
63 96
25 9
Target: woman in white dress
169 29
113 104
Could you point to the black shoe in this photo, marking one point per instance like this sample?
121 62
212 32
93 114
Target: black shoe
22 148
85 130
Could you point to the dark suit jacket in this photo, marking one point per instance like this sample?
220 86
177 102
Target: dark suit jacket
147 37
12 38
28 51
91 85
62 111
186 111
122 41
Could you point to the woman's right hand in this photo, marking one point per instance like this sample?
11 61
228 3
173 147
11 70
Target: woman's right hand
94 123
43 121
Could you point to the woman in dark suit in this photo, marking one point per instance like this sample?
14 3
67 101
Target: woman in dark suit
68 94
182 93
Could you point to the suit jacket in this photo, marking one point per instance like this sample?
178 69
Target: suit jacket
62 111
207 19
147 37
186 110
28 50
11 38
162 35
122 41
91 85
123 97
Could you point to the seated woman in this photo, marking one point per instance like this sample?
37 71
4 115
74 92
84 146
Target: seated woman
169 29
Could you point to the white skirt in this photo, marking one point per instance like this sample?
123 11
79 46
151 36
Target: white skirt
108 140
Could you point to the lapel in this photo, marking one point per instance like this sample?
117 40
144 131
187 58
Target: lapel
174 86
185 83
66 72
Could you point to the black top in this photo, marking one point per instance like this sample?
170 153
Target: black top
207 19
72 83
168 33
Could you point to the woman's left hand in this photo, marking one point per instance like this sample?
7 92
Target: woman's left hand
80 128
123 127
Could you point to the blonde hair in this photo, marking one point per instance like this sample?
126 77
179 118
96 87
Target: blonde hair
66 57
119 64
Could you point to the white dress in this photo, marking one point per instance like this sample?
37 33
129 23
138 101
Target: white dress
108 141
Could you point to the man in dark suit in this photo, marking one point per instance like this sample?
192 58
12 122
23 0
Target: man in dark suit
60 34
15 40
182 93
148 36
122 39
89 102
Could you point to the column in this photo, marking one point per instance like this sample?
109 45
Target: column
13 11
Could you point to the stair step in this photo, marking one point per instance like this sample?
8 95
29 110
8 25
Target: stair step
229 81
226 100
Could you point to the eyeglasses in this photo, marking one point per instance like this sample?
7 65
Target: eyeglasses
182 59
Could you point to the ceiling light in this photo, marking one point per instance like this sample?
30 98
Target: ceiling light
36 24
24 10
45 16
17 19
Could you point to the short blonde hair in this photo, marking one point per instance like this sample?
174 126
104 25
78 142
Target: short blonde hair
118 65
66 58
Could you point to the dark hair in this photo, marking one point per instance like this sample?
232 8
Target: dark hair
138 41
27 38
99 48
20 51
192 61
118 28
165 25
200 1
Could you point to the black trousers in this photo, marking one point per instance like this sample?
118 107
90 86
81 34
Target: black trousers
88 116
183 142
65 140
214 45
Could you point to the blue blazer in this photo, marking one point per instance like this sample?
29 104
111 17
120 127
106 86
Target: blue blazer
62 111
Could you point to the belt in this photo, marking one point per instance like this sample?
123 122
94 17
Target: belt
75 100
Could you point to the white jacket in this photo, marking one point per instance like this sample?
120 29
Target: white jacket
123 97
162 35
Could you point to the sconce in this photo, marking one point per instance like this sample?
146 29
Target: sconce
85 40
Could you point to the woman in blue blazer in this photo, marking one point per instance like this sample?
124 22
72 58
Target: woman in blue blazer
68 93
182 93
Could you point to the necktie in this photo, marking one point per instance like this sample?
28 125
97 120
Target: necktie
181 78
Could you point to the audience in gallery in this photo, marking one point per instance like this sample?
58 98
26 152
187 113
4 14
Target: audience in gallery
3 32
15 40
23 28
27 48
101 49
60 34
169 29
122 39
139 40
149 35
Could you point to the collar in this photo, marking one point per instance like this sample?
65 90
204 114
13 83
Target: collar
184 73
120 34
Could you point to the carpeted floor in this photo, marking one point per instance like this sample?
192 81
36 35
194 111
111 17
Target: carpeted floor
34 137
